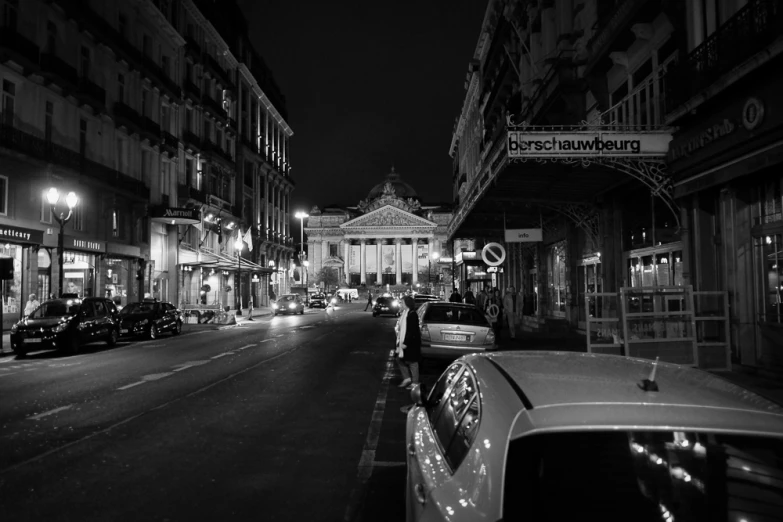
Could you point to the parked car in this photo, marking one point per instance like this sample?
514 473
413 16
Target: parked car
453 329
289 304
420 299
386 306
575 436
150 318
318 301
66 324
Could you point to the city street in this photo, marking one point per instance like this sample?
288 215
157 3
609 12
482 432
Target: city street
284 418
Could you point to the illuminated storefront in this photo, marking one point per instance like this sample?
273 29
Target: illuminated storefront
21 245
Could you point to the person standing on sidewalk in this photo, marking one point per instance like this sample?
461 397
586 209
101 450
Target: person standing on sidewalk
510 308
481 299
369 301
250 309
32 304
408 343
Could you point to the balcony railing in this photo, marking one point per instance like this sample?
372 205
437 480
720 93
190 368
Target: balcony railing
745 34
209 147
221 73
192 90
168 86
190 192
91 94
59 71
38 148
128 116
170 143
215 107
151 129
18 48
192 48
191 139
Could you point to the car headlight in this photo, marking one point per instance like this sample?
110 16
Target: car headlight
334 301
292 306
274 306
395 303
143 322
60 328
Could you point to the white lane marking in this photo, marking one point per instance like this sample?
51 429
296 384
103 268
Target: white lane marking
156 376
50 412
367 460
189 364
247 346
218 356
267 340
281 335
308 326
131 385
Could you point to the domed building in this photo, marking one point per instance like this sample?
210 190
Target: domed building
388 238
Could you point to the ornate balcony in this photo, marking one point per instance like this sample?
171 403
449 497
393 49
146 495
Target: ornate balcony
161 79
59 72
192 91
745 34
218 71
216 108
191 140
150 130
38 148
17 48
91 94
186 192
129 117
210 149
192 49
169 144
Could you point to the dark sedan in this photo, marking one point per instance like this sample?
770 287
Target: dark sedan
289 304
386 306
150 318
66 324
318 301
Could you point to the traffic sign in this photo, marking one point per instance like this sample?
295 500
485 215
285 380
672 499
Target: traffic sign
493 311
493 254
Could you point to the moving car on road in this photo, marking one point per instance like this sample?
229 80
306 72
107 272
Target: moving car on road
318 301
453 329
66 324
150 318
575 436
386 306
289 304
420 299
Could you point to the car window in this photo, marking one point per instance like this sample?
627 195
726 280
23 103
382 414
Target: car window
110 306
100 308
443 313
88 309
56 309
465 433
456 404
168 307
643 476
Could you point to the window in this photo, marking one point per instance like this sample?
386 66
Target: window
46 209
121 88
435 402
146 167
122 156
115 223
207 130
189 119
248 174
166 65
9 98
78 217
122 26
100 308
48 121
83 137
51 38
188 71
219 136
145 101
88 309
84 62
769 274
3 195
189 166
10 14
333 249
165 117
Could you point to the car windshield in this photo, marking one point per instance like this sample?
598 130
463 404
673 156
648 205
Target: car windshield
56 309
137 308
318 296
644 476
385 301
286 299
450 314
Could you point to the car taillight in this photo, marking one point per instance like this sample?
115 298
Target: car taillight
490 337
425 332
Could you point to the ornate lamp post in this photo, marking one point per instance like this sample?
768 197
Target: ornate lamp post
238 244
53 196
434 256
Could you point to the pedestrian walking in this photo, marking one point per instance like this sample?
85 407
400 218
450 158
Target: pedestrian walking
496 320
511 307
369 301
32 304
481 299
408 345
469 297
455 297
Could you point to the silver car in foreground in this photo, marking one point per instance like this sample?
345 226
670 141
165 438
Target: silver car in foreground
453 329
550 436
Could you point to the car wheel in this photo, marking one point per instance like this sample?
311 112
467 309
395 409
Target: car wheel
114 335
19 350
374 314
302 312
153 332
177 328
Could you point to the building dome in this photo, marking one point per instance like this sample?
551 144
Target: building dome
401 189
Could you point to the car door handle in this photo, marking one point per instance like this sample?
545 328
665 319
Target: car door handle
418 490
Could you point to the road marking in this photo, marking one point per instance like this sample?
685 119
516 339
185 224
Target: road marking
247 346
50 412
367 461
308 326
267 340
189 364
131 385
218 356
156 376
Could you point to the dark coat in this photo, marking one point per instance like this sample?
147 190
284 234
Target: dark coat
412 341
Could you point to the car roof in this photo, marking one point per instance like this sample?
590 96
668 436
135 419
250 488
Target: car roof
452 305
569 388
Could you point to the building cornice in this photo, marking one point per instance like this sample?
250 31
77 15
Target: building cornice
265 99
154 14
211 31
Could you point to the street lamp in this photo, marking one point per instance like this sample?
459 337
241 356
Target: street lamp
53 196
301 217
238 244
434 256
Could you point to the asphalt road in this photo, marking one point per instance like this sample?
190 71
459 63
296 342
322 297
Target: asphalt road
287 418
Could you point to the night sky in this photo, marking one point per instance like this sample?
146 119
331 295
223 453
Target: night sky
368 84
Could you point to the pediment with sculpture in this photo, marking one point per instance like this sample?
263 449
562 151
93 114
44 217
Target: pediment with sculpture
389 216
389 198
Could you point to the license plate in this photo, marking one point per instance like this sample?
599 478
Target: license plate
124 330
32 340
384 309
452 337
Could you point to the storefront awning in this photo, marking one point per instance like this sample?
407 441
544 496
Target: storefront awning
175 216
192 257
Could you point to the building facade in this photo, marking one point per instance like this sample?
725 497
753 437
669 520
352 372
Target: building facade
134 107
389 238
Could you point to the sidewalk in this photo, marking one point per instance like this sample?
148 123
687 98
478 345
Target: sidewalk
258 313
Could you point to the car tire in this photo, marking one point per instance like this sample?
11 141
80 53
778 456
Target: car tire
302 312
153 333
19 350
177 328
114 336
374 314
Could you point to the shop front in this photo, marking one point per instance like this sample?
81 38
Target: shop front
118 269
81 263
472 273
22 245
728 163
589 281
163 280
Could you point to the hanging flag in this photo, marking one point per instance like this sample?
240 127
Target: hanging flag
249 239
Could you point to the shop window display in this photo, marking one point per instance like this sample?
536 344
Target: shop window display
13 300
44 274
557 279
769 277
79 274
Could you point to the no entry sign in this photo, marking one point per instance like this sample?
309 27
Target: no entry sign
493 254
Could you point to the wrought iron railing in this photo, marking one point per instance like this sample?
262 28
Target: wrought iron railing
215 107
191 139
748 32
58 69
19 45
192 90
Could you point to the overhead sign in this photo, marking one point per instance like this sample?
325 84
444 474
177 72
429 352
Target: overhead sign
524 235
86 245
529 143
466 256
493 254
14 234
175 216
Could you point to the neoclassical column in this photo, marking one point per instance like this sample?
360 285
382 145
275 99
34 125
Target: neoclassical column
324 251
415 258
398 259
347 259
379 261
363 262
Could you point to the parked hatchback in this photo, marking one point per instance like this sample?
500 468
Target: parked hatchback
289 304
573 436
150 318
453 329
66 324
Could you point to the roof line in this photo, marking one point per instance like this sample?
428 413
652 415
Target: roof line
522 397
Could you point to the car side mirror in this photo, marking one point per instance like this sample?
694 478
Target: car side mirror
419 395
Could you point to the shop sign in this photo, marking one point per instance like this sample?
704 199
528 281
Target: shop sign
20 235
524 235
711 134
466 256
255 279
175 216
530 143
75 243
